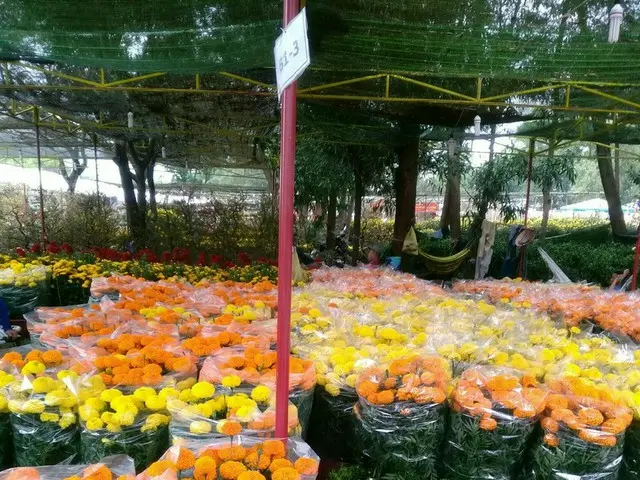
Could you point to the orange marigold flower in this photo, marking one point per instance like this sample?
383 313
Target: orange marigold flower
555 401
488 423
550 425
400 367
605 440
230 428
428 378
306 466
390 383
251 460
24 473
97 472
385 397
274 448
33 355
264 461
279 463
613 426
205 469
591 416
251 476
186 459
503 382
158 468
551 440
231 470
182 365
286 473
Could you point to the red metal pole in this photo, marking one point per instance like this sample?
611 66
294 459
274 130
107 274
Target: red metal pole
285 240
532 147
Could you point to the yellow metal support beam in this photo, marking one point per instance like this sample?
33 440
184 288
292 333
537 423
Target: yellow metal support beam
319 92
138 78
351 81
435 88
522 92
608 96
247 80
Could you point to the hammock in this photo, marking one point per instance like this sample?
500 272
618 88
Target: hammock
438 265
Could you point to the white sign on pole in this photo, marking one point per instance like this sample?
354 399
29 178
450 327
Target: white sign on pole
291 52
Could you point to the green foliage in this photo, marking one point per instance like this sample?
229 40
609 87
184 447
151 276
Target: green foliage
216 227
402 441
321 168
303 400
573 458
65 291
6 445
21 300
350 472
80 220
38 443
581 261
473 453
631 465
332 431
144 447
376 232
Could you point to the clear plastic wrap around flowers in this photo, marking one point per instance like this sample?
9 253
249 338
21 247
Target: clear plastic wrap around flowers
582 435
117 467
152 366
494 413
208 412
212 338
23 287
113 423
332 428
43 418
256 366
112 286
401 414
243 458
631 464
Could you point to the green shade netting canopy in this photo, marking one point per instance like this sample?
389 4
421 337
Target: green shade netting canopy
545 39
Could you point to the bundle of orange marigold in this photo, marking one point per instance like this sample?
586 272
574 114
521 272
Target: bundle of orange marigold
401 415
150 366
245 459
117 467
494 413
583 431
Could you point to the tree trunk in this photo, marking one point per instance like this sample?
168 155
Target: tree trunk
616 217
131 205
76 170
616 167
357 213
153 205
546 208
331 220
444 214
451 207
454 199
406 182
546 195
483 204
